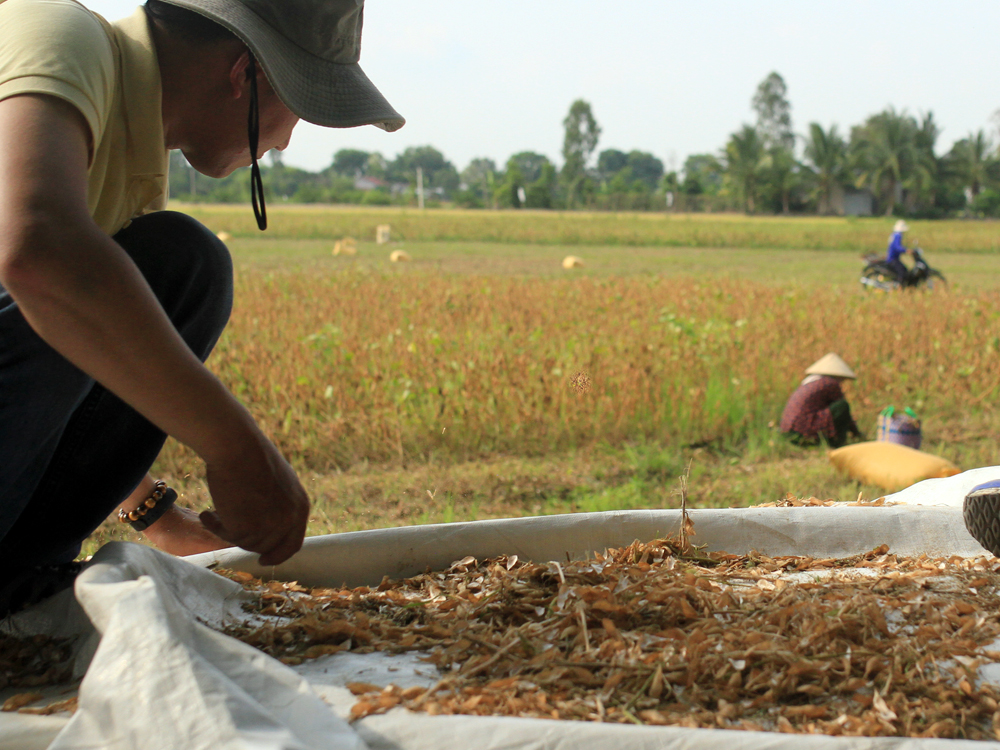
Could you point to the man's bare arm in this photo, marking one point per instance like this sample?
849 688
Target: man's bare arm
84 296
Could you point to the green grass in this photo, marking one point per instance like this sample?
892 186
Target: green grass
841 268
591 228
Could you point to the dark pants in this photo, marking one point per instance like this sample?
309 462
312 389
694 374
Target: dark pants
899 268
71 451
843 423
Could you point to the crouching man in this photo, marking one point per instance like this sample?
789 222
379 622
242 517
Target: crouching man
108 305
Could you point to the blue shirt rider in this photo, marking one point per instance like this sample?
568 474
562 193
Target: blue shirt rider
896 250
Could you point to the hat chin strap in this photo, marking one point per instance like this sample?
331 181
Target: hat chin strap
253 134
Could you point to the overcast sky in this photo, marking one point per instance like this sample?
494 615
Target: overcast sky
490 78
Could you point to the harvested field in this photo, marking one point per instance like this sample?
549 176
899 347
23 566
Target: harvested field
462 368
664 634
596 228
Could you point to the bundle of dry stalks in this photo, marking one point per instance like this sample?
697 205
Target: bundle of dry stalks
663 633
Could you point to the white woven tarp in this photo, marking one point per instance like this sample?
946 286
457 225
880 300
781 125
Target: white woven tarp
158 677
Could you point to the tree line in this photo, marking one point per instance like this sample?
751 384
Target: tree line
889 160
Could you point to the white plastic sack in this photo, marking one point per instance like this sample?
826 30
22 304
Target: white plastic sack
950 491
162 679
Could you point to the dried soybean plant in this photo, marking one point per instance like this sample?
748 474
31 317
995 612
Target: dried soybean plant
34 661
581 382
663 633
791 501
31 662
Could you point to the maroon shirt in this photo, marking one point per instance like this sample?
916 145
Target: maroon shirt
808 410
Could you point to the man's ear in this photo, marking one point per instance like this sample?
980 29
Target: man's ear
238 74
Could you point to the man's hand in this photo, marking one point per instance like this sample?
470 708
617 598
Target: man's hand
259 503
180 532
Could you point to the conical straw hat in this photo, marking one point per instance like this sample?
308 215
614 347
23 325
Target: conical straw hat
831 365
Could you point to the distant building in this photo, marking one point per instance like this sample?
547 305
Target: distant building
859 203
851 202
370 183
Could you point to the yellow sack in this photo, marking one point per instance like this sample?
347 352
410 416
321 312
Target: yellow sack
889 465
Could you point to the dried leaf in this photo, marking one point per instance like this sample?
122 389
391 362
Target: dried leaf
361 688
884 712
20 700
64 706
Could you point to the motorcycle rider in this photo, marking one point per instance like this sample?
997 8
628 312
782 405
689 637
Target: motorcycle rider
896 249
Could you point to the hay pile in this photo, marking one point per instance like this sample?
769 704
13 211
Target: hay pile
662 633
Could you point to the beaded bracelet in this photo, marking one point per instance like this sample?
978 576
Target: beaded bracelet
150 509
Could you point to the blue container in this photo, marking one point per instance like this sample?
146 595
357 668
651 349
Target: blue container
902 428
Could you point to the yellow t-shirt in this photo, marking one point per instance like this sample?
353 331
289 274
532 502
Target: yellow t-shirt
110 73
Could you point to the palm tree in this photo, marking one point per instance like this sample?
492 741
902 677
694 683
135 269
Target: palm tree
746 160
826 150
784 174
971 159
889 153
923 180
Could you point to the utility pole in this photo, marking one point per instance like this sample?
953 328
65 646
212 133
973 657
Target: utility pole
420 188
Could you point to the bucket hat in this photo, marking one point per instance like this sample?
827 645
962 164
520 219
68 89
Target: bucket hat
309 50
901 226
831 365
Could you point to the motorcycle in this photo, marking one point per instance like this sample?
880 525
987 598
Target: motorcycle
878 275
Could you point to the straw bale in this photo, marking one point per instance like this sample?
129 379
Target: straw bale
346 246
